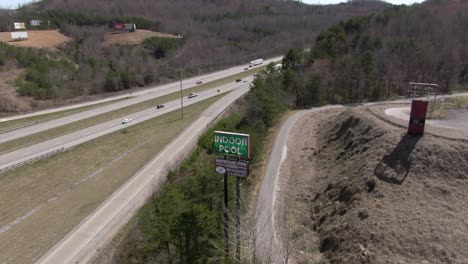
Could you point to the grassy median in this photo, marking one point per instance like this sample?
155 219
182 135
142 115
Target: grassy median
76 182
88 122
28 121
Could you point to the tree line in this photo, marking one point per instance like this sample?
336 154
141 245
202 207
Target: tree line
374 57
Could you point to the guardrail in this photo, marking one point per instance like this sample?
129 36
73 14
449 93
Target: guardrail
43 156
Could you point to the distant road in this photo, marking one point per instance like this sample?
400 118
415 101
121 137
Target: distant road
136 97
81 136
83 243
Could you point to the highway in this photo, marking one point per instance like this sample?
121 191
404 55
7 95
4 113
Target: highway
135 98
82 243
81 136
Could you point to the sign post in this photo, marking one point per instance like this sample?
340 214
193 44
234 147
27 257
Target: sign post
235 149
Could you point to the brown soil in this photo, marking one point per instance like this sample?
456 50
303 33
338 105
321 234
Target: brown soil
10 102
133 38
297 182
376 195
37 39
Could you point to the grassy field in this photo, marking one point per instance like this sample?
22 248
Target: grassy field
27 121
68 187
88 122
438 109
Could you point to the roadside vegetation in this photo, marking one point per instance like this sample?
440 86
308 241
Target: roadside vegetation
183 223
439 108
59 192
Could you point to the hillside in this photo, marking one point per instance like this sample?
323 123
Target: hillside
374 57
362 191
216 34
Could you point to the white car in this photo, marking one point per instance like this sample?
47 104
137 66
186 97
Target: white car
192 95
127 120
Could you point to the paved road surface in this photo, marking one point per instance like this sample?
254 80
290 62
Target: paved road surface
456 118
81 136
136 97
83 242
269 248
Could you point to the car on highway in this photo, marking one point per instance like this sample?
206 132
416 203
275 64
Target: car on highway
199 82
239 80
126 120
159 106
245 69
192 95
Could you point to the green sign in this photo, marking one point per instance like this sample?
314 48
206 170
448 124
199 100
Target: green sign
232 144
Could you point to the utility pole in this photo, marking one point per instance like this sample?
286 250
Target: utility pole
238 236
180 78
226 214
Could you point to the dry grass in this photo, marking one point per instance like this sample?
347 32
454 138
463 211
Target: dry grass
88 122
37 39
133 38
113 159
438 109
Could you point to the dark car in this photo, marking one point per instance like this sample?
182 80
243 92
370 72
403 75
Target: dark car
239 80
159 106
245 69
199 82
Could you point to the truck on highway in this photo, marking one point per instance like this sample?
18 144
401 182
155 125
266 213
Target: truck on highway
255 62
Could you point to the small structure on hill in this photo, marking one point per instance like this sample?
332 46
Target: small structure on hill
19 35
35 22
120 27
19 25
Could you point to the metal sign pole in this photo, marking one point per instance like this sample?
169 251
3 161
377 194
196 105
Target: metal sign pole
226 216
238 219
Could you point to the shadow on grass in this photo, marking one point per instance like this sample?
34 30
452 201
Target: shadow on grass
395 166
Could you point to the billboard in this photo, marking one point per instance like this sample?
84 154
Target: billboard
238 168
35 23
20 25
19 35
119 26
417 117
232 144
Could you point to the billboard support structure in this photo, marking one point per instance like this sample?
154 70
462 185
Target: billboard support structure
237 146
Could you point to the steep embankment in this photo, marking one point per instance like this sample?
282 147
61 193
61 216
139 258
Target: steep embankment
384 197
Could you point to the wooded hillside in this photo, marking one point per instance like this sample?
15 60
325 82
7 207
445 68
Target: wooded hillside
217 34
374 57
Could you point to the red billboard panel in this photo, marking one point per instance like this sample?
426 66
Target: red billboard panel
119 27
417 117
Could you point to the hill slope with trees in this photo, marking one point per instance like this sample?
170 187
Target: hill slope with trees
374 57
216 34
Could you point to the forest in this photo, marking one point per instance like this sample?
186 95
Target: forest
216 34
374 57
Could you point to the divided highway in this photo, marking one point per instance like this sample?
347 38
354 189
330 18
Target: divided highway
99 130
136 97
85 241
